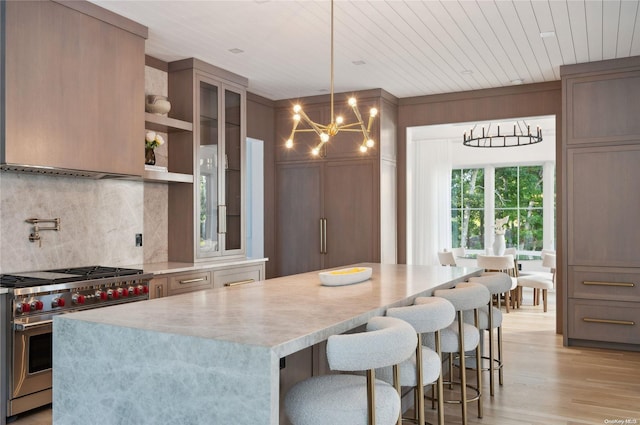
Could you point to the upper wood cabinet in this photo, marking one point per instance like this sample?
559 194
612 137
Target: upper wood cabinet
206 218
74 88
602 104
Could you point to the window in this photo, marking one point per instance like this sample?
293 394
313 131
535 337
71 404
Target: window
467 208
518 194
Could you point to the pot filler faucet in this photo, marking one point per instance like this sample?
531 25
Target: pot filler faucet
35 236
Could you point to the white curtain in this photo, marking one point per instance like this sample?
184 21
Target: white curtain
429 200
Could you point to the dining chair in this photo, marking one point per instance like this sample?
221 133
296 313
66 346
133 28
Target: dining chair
446 258
539 282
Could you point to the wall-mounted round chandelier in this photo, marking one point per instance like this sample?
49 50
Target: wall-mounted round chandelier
521 136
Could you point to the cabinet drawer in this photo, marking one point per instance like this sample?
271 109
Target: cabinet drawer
621 284
237 276
610 321
188 282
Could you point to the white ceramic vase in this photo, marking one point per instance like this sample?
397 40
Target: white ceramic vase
498 245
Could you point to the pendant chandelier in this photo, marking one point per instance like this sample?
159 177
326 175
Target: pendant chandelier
521 136
337 124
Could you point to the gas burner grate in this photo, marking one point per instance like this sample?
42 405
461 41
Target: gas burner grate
12 281
95 272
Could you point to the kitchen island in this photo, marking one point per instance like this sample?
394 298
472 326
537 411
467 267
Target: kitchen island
213 356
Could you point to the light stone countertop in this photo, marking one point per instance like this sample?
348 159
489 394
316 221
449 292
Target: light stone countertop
177 267
4 290
284 314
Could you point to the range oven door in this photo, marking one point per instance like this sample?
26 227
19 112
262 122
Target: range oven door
32 360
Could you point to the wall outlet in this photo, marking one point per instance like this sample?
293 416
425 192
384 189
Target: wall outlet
138 239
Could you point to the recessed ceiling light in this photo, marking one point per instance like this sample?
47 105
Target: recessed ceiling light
235 50
359 62
466 72
547 34
517 81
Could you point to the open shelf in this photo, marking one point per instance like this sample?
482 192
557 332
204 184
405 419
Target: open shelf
167 177
165 124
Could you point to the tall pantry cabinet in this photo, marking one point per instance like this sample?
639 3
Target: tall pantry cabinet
337 209
600 158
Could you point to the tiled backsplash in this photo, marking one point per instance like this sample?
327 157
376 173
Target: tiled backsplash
98 222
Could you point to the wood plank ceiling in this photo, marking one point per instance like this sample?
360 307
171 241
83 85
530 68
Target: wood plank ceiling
409 48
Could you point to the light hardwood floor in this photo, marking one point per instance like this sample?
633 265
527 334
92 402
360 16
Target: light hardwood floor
544 382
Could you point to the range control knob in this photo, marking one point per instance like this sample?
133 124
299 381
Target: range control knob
132 291
145 289
57 302
101 294
124 292
112 293
78 299
137 290
37 305
23 307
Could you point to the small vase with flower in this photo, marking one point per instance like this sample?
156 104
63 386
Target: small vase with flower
499 243
151 141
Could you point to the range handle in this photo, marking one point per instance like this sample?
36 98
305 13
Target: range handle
21 326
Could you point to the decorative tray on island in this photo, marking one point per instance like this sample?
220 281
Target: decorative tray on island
345 276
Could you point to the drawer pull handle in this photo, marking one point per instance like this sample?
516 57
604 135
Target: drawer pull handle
240 282
200 279
625 284
609 322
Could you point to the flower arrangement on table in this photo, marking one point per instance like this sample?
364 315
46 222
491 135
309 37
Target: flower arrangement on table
151 141
500 225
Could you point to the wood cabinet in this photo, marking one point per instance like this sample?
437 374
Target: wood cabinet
236 276
73 88
600 157
220 276
327 215
158 287
188 282
338 209
206 218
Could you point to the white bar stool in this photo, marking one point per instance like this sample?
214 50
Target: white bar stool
428 314
497 284
460 337
353 399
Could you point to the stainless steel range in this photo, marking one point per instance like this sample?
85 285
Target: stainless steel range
33 299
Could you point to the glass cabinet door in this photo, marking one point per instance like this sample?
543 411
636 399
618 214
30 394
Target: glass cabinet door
208 243
233 140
